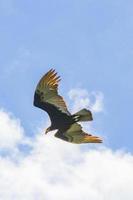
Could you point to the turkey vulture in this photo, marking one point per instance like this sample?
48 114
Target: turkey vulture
47 98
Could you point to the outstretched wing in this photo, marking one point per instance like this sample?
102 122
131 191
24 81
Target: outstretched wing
46 93
75 134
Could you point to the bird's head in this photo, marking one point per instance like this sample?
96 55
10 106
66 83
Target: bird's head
48 130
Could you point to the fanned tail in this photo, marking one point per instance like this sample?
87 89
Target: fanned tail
83 115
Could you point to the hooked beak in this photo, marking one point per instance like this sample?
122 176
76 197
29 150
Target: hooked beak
47 130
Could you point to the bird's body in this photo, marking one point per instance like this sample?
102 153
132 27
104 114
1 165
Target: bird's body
59 119
47 98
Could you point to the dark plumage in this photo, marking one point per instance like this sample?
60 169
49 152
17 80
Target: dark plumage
47 98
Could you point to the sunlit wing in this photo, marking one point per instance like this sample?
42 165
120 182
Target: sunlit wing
47 89
75 134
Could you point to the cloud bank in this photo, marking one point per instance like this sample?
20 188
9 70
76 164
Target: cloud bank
54 169
11 133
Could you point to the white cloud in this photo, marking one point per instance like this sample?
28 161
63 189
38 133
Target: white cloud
81 98
11 132
97 106
58 170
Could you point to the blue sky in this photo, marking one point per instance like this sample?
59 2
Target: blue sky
88 42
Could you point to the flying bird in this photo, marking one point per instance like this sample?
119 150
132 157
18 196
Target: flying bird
46 97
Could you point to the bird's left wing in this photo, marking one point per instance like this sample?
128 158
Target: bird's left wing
75 134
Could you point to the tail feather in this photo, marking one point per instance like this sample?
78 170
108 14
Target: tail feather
83 115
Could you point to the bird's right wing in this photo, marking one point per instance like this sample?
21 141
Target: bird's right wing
75 134
47 92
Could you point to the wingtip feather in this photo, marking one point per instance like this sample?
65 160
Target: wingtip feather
92 139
